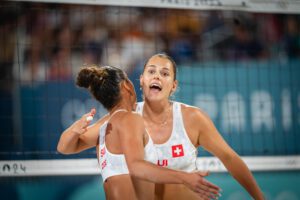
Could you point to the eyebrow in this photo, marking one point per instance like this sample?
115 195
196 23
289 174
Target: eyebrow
151 66
164 68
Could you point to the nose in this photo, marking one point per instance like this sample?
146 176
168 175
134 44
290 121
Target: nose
156 76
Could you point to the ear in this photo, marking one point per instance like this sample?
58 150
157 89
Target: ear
127 86
141 80
174 87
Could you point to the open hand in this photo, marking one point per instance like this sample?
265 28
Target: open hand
205 189
81 125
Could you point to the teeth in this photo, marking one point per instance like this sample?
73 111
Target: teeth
154 84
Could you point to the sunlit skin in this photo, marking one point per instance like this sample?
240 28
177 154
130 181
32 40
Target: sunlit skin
158 71
200 129
116 187
126 135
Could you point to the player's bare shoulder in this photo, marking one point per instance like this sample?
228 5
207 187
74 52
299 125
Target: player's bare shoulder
95 126
136 117
192 112
130 117
102 120
130 121
196 120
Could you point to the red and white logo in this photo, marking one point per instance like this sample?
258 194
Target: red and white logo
177 151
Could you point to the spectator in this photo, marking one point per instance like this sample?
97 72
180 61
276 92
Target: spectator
291 40
245 45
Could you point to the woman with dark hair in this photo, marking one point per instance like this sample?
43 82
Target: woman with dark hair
178 130
125 150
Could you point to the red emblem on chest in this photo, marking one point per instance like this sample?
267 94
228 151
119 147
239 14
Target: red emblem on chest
177 151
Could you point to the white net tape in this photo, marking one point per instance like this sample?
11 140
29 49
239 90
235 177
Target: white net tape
65 167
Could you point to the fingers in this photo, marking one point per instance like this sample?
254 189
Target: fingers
202 187
89 116
93 112
207 189
204 194
207 195
205 182
210 185
84 122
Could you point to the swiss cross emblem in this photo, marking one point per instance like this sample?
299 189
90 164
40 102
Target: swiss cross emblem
177 151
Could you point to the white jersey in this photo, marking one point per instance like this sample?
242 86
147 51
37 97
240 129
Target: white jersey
115 164
178 152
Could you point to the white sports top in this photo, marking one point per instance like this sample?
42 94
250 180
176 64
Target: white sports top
178 152
115 164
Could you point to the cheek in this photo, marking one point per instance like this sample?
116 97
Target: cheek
145 81
170 83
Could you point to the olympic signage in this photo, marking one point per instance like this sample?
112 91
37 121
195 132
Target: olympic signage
261 97
258 103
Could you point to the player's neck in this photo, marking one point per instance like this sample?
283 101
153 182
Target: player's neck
158 114
157 107
121 106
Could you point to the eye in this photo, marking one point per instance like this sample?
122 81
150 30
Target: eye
151 71
165 73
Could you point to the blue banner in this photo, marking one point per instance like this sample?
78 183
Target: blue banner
255 106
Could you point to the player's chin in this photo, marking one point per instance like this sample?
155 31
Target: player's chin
157 97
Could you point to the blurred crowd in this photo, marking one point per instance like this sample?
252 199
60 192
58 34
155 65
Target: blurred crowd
51 41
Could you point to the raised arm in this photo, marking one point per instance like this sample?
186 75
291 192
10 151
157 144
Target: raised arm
80 135
212 141
131 136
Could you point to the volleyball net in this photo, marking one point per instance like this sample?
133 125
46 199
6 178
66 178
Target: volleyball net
237 60
89 166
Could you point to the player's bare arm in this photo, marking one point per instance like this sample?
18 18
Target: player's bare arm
212 141
81 135
132 145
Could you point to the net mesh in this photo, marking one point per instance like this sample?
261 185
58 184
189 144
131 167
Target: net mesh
239 67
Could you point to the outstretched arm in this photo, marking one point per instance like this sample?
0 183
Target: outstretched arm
131 136
80 135
213 142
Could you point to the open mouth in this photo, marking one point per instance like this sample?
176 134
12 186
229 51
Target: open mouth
155 87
